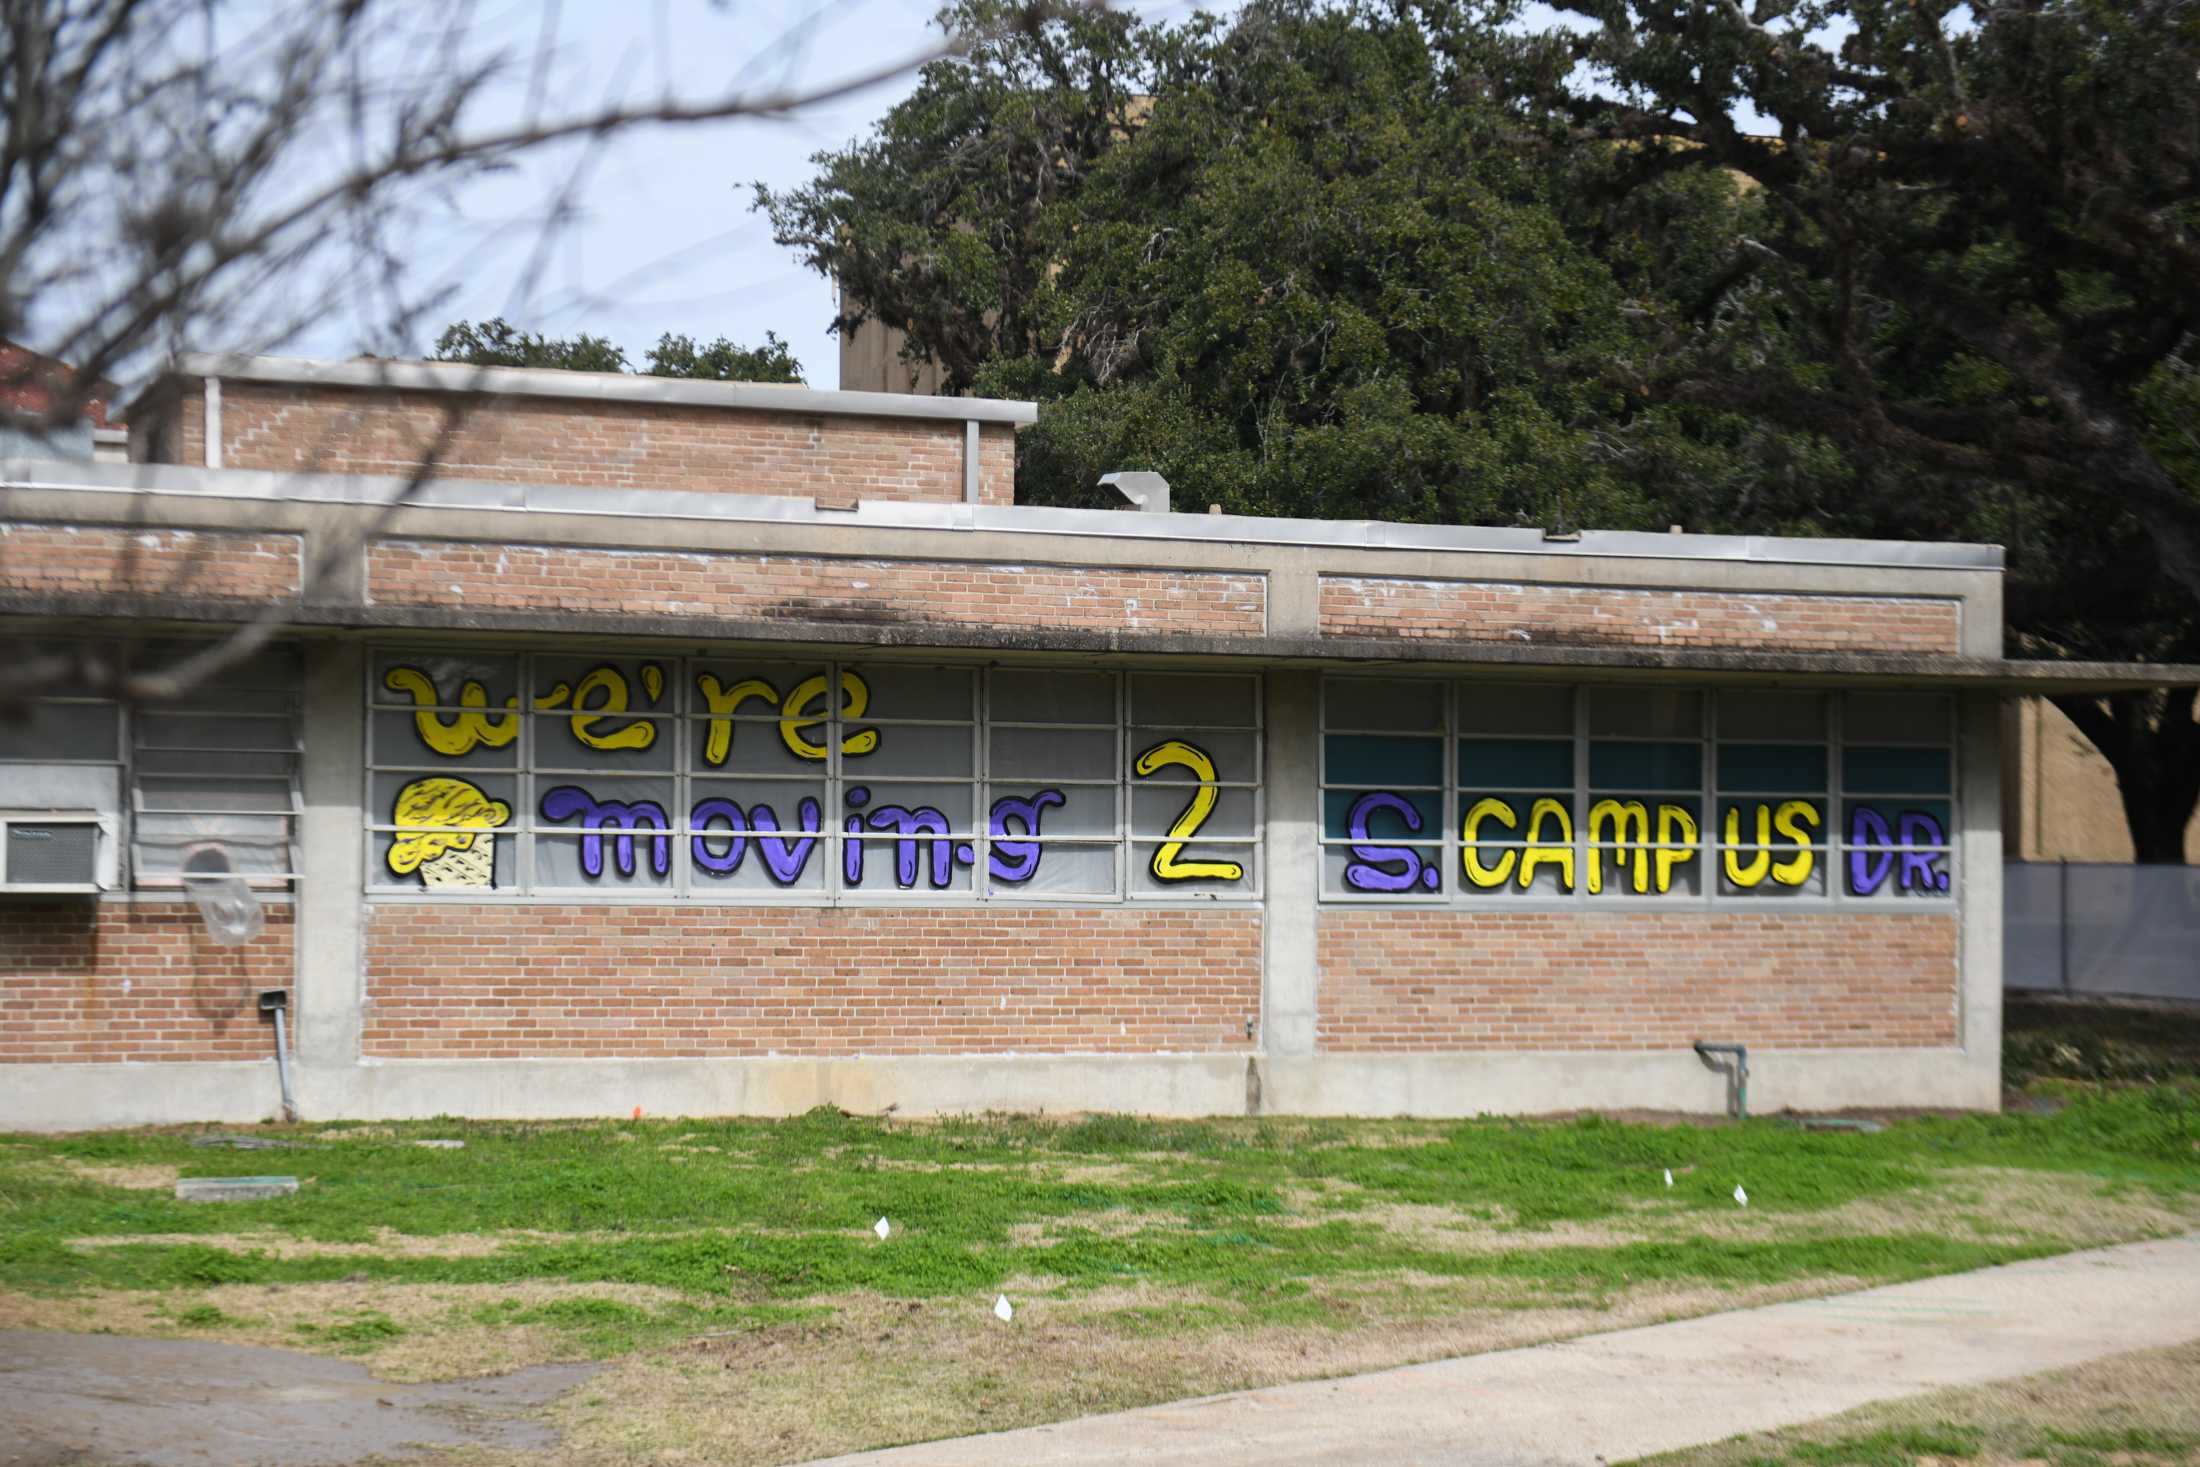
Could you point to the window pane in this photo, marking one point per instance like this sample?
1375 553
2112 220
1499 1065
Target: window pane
1895 718
756 835
1644 713
1184 701
47 731
614 742
918 692
1383 870
1515 872
1383 815
1156 811
1774 871
1402 707
913 749
1053 753
1051 869
440 679
1384 760
898 806
1234 756
1516 763
1646 766
1051 697
61 787
1516 708
1198 869
1047 811
1772 768
1895 771
398 738
171 730
1919 874
1756 715
1896 822
738 746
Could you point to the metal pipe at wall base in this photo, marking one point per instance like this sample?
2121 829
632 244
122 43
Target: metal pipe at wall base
1740 1052
282 1068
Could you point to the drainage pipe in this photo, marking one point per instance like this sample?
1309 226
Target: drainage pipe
1740 1052
274 1003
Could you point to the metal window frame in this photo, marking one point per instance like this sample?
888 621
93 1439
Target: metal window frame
123 827
1710 847
828 784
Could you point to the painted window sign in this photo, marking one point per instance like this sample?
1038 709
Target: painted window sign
1473 793
673 777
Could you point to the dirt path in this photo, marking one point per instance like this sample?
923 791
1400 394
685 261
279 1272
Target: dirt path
108 1399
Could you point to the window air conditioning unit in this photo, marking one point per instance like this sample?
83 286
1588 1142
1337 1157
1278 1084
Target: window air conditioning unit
52 852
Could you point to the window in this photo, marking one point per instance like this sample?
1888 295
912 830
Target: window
1617 794
216 767
752 780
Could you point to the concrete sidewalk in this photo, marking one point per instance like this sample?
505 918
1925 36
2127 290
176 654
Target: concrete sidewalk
1609 1397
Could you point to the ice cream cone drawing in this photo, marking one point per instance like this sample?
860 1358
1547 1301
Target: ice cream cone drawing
443 827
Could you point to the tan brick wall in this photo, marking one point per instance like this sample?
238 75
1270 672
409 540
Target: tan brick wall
2059 796
510 982
1555 981
548 440
543 577
85 982
1496 611
88 558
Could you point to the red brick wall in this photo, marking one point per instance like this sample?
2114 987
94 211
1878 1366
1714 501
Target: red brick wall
1555 981
510 982
1491 611
436 573
602 444
89 558
85 982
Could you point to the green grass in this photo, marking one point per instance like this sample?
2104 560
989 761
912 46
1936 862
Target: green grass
774 1211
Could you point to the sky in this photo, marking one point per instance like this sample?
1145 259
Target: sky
660 234
663 237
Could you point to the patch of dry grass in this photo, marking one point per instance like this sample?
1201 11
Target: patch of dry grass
2136 1410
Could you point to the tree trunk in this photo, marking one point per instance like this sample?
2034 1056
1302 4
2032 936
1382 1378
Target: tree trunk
2153 744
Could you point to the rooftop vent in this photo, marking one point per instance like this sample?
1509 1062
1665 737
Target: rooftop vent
1142 490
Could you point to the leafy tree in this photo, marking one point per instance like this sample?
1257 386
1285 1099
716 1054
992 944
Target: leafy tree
1971 267
722 361
1291 260
497 343
1413 260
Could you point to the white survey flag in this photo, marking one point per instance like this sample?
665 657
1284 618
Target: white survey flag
1668 1176
882 1227
1002 1309
1740 1196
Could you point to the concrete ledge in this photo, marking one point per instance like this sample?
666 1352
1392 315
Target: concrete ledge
85 1097
1531 1084
77 1097
376 374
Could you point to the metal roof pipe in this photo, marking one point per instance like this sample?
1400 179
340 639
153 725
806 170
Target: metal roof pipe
1142 490
1740 1052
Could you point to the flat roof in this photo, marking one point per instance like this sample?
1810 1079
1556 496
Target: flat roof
890 514
392 375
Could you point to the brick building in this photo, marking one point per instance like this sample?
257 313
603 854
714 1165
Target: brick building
721 748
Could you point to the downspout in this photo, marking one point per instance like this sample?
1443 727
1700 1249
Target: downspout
274 1002
1740 1052
970 461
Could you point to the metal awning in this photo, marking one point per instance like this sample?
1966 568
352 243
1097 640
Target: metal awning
30 613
